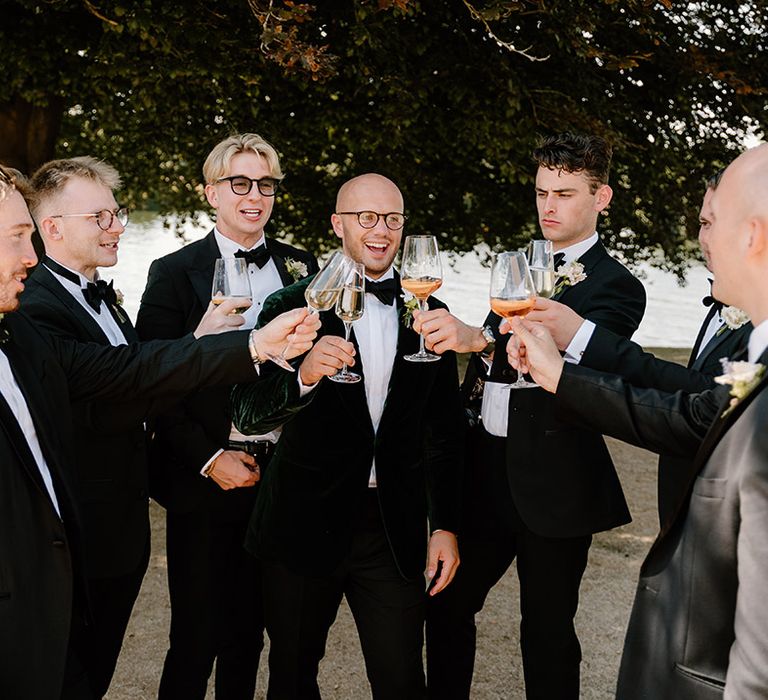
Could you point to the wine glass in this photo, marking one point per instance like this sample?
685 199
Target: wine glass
350 305
421 274
320 294
542 265
512 294
231 281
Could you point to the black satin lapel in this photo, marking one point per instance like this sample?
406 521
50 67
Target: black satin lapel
693 359
126 327
11 428
285 277
715 342
201 280
31 381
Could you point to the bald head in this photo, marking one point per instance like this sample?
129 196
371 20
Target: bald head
738 237
361 187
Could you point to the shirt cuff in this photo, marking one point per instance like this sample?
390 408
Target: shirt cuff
304 389
576 348
209 462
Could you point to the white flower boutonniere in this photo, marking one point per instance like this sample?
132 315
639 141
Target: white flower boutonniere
119 299
569 275
733 318
743 378
410 304
297 270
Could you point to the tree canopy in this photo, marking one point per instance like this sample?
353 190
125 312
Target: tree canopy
447 98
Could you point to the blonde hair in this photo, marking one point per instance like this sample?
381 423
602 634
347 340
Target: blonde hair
217 163
51 177
10 180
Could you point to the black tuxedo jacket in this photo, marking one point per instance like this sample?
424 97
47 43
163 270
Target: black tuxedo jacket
318 477
562 480
41 555
699 625
110 472
177 294
610 352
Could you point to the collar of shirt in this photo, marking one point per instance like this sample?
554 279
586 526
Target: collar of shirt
228 247
758 341
575 251
105 320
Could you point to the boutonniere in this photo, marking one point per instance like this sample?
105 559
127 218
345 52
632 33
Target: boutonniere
733 319
297 270
569 275
743 378
4 334
119 299
410 304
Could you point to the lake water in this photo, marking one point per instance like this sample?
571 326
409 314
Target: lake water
672 317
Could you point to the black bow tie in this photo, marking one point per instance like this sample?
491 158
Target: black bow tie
558 260
709 300
383 291
95 292
258 256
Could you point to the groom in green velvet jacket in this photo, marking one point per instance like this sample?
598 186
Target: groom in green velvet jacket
361 474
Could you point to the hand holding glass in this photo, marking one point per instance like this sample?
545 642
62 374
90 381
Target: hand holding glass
512 294
231 281
421 274
321 294
350 305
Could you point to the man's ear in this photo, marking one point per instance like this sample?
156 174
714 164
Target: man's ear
757 236
337 227
212 196
49 229
603 197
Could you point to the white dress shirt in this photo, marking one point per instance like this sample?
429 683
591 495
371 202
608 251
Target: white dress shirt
263 282
376 334
758 341
495 408
18 405
715 324
104 318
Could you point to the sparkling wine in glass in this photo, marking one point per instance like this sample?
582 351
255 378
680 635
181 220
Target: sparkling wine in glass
320 294
421 274
350 306
542 265
231 281
512 294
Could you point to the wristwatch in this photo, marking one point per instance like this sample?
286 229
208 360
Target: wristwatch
257 359
490 339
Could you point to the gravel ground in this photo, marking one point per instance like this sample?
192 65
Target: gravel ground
606 596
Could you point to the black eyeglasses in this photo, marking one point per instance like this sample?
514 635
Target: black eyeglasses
393 220
104 218
242 185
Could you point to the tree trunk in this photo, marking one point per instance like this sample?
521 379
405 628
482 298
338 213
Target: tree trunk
28 132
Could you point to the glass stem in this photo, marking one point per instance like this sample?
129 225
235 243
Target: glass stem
422 307
312 310
347 330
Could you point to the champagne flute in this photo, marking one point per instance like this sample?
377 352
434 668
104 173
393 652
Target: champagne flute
512 294
350 305
320 294
542 264
421 274
231 281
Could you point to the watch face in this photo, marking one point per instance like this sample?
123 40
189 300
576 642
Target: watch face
488 335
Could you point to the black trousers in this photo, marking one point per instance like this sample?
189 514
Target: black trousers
388 613
112 601
550 572
216 608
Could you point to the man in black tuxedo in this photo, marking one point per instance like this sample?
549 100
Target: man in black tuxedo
723 333
358 471
699 625
43 589
205 470
536 489
65 296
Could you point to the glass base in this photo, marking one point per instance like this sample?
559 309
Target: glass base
422 357
345 378
281 362
522 384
